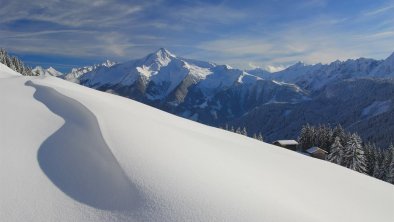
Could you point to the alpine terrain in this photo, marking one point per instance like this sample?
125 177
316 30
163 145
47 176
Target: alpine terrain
274 104
70 153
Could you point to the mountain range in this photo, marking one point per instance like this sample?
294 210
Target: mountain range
274 104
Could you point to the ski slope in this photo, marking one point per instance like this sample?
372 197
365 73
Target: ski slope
70 153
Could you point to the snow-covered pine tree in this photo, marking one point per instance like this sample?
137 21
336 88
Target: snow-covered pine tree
232 129
336 154
338 131
260 137
244 131
306 138
354 154
390 170
325 137
3 54
370 158
387 159
14 63
238 130
378 172
8 62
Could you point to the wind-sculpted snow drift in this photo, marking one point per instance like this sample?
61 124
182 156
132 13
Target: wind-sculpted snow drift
70 153
77 159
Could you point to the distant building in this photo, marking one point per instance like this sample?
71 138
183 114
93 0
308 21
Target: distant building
288 144
317 152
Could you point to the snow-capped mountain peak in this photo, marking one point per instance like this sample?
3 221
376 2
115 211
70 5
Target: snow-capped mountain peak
50 71
159 58
385 68
108 63
298 65
390 59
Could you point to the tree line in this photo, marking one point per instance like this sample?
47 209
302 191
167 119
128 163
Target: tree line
15 63
348 150
243 131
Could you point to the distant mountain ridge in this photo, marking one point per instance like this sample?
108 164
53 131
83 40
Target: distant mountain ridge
49 71
315 77
275 104
75 73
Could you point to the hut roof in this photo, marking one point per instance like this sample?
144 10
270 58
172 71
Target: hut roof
286 142
315 149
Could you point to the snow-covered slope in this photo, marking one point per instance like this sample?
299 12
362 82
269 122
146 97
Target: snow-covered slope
70 153
50 71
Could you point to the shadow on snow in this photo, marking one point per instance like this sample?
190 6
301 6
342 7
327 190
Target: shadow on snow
77 159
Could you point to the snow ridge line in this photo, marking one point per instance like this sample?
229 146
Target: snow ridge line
77 159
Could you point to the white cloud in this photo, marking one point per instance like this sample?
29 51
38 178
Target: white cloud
218 32
381 10
272 69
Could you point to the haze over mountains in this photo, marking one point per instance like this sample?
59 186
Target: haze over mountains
275 104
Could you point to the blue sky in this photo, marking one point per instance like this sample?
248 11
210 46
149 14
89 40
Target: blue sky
244 34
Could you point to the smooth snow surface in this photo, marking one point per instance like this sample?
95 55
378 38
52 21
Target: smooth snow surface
70 153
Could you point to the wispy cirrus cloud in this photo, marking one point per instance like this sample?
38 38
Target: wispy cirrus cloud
385 9
263 33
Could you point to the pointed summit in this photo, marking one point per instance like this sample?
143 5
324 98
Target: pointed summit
385 68
161 57
391 58
164 52
298 65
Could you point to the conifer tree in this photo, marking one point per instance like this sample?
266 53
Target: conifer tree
336 154
370 158
244 132
390 170
338 131
378 172
306 138
238 130
354 154
385 166
260 137
14 63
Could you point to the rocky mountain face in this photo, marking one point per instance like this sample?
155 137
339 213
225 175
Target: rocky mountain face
202 91
368 112
355 93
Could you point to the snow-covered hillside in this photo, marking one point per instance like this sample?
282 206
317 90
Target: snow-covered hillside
70 153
